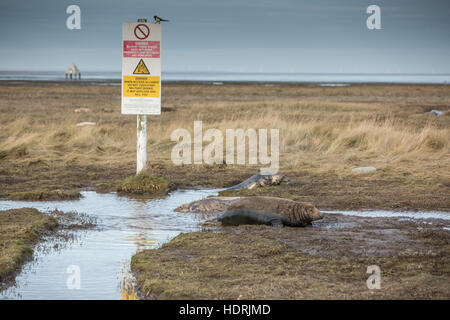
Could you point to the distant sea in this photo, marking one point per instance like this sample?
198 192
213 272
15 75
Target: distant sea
331 79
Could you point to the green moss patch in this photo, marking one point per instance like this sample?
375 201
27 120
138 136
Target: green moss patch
142 184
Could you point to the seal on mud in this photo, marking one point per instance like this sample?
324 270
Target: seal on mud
208 205
245 216
259 180
270 210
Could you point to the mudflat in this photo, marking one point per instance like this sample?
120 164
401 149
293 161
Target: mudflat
326 261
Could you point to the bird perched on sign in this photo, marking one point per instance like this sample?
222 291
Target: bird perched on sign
158 19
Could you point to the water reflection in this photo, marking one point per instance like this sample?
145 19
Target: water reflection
103 254
395 214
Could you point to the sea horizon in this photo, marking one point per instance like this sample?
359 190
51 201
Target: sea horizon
224 76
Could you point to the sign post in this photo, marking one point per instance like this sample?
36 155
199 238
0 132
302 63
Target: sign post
141 78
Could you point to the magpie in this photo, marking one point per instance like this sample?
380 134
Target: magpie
158 19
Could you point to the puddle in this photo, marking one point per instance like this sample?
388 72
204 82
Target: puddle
335 84
395 214
103 254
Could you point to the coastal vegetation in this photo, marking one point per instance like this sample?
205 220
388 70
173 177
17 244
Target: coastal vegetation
325 132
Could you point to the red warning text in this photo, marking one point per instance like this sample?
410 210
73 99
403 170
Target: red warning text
141 49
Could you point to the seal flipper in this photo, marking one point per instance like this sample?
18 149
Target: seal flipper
276 222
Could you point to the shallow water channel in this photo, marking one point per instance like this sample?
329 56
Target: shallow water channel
103 254
394 214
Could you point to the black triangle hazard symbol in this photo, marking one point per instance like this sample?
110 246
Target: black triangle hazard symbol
141 68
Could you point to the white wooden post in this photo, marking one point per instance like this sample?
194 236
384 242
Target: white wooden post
141 147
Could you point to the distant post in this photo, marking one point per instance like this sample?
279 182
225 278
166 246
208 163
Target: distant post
141 78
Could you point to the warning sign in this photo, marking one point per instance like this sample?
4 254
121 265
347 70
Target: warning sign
141 31
141 68
141 86
141 49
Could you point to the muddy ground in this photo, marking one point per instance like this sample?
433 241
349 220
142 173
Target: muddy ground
326 261
325 190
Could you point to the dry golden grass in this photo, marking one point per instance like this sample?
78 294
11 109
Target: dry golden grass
321 129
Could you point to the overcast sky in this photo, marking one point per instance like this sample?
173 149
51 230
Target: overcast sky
233 35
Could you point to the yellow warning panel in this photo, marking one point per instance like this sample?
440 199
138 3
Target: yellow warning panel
141 86
141 68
